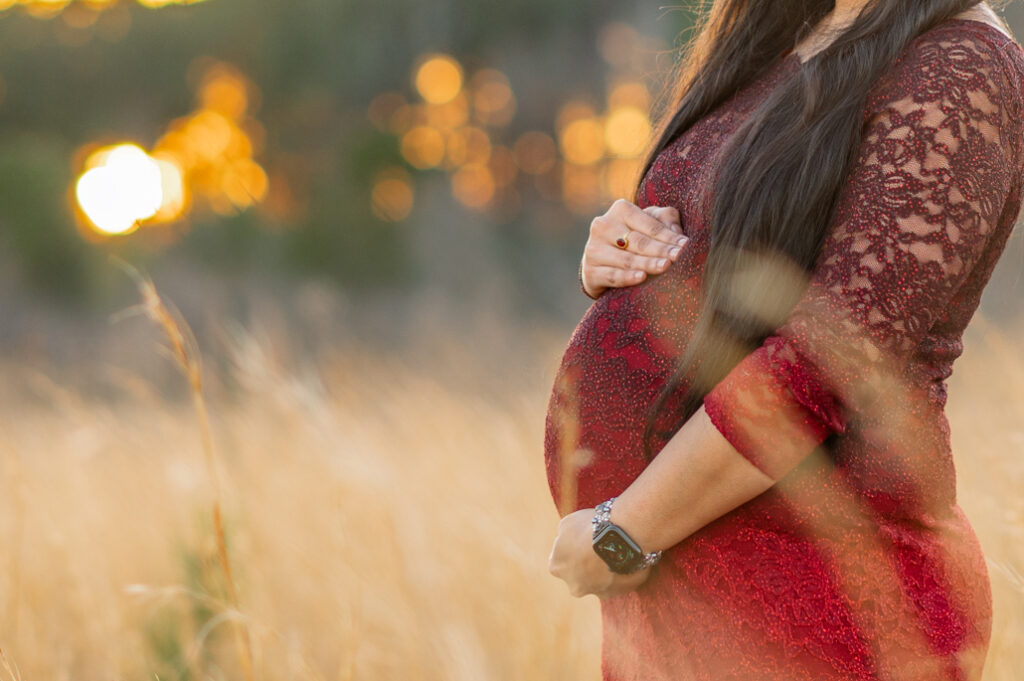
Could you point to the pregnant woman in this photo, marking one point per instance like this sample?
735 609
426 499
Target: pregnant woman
746 439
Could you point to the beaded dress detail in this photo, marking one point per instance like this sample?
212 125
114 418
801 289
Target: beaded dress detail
857 563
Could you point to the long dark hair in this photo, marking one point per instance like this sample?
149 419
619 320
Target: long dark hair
783 169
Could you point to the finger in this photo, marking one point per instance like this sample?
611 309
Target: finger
614 277
646 234
642 253
650 229
625 260
668 215
651 246
597 254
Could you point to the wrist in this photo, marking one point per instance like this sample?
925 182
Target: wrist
616 546
625 514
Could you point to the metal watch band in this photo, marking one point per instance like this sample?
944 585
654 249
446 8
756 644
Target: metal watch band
602 518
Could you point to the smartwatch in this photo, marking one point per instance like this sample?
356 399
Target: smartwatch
615 547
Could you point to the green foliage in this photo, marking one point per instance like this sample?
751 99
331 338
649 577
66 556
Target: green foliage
34 182
172 631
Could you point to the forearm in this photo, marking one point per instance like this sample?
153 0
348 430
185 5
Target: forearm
697 477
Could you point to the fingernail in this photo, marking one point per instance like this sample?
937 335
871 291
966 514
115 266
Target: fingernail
662 262
682 240
679 227
637 275
674 251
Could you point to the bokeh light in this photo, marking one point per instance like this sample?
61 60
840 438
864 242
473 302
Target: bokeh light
207 154
468 145
392 194
503 166
582 141
473 185
438 79
581 187
216 143
79 9
493 100
619 176
423 147
122 186
451 114
629 93
626 131
461 126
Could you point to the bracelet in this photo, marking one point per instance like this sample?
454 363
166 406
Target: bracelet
602 518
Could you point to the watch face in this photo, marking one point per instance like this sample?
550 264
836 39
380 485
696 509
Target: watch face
617 550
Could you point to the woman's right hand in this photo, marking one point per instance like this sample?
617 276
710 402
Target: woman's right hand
654 237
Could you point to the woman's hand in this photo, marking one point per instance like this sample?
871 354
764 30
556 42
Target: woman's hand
654 237
573 560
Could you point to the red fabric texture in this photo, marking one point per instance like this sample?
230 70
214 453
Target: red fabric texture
858 563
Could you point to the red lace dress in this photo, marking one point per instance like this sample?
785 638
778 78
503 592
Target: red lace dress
858 563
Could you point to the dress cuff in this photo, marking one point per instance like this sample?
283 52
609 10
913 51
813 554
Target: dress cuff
773 410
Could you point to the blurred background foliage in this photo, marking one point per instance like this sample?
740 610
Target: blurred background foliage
395 166
335 188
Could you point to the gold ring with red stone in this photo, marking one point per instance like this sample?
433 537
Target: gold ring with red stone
623 241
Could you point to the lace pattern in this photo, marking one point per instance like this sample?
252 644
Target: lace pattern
857 563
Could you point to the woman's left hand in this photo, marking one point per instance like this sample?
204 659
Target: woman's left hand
574 561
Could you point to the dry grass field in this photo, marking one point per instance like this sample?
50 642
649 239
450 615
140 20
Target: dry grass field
383 520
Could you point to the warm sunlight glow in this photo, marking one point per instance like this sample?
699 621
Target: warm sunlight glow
216 143
392 195
467 145
619 176
591 155
172 189
451 114
573 110
46 9
423 147
581 188
439 79
626 131
582 141
123 186
224 91
156 4
630 93
473 185
493 101
503 165
205 155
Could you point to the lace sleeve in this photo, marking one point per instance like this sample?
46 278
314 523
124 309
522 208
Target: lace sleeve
937 160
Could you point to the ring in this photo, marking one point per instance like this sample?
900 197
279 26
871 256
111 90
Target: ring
623 241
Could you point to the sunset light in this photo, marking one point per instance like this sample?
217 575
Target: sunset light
124 186
205 155
626 131
49 8
439 79
463 124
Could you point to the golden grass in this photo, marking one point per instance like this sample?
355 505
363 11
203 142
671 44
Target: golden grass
383 522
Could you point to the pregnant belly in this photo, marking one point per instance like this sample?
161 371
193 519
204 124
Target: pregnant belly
616 363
